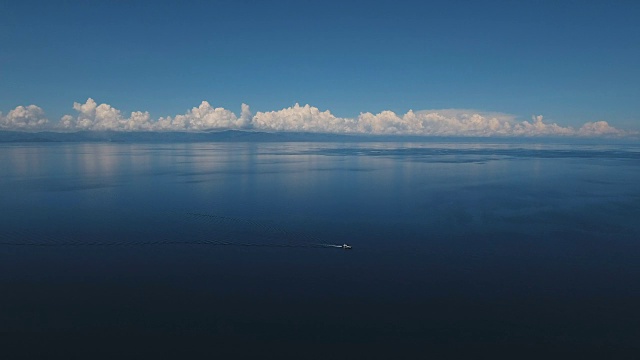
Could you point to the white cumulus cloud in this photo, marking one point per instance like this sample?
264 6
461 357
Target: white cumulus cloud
26 118
92 116
447 122
302 119
205 117
537 127
438 122
599 128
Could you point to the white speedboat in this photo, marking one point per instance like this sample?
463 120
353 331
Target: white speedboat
346 247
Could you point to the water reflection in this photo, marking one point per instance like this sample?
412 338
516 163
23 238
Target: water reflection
453 243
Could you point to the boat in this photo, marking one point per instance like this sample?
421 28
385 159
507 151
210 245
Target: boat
346 247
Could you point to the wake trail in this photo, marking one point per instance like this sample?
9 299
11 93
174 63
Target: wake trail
225 231
168 242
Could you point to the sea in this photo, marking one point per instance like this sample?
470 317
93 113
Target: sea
460 249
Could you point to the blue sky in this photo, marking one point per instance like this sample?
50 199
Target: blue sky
571 61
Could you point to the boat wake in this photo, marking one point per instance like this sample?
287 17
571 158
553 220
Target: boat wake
227 232
165 242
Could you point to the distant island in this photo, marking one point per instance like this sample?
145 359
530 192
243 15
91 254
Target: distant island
169 136
259 136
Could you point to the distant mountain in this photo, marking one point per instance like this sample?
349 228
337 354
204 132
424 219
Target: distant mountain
256 136
117 136
213 136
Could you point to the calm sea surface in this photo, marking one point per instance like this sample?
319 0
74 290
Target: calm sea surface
220 248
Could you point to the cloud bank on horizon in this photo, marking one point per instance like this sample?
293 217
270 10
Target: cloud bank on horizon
92 116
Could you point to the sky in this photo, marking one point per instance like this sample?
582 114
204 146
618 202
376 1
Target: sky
417 67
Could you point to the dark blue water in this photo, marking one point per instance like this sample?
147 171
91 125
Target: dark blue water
459 250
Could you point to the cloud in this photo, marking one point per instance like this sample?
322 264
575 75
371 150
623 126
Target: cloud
443 122
447 122
599 128
303 119
25 118
538 128
205 117
438 122
92 116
